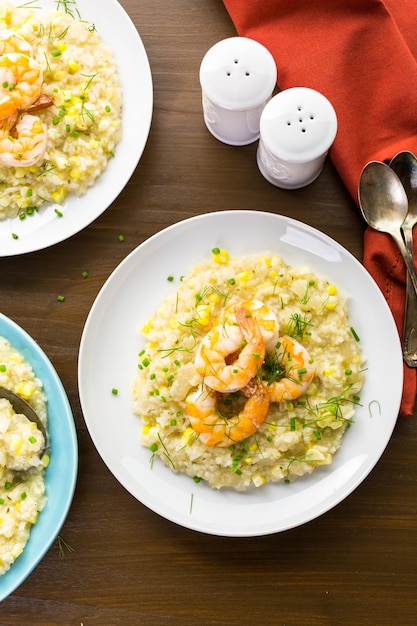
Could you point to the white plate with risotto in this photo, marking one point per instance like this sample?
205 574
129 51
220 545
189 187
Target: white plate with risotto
119 343
42 497
84 122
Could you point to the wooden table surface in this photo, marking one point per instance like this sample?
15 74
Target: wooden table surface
355 565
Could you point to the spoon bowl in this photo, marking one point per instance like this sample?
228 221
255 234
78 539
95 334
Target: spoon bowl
384 206
382 198
21 406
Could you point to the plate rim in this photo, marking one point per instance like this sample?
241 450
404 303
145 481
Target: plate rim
46 229
50 519
146 245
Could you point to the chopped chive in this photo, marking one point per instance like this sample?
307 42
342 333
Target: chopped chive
170 279
32 439
2 367
354 333
107 108
216 250
56 53
23 495
84 274
15 236
153 447
60 298
115 391
58 212
121 238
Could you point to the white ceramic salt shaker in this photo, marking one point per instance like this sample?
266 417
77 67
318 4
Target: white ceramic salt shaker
237 77
297 128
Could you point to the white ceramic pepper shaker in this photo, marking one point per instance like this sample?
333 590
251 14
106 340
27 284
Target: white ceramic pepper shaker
297 128
237 77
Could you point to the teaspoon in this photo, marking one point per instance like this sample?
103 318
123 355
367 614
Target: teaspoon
404 165
384 206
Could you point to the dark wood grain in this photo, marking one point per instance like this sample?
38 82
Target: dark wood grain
355 565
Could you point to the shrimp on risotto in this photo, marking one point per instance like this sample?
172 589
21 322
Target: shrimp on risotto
292 365
20 83
23 144
217 429
224 342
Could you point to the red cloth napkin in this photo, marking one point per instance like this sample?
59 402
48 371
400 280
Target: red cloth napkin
361 55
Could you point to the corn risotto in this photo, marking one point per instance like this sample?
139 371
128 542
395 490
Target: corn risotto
297 435
83 123
22 486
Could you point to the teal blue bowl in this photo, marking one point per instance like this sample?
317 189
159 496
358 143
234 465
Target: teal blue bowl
61 473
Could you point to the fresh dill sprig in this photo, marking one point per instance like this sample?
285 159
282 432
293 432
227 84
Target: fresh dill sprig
298 326
64 546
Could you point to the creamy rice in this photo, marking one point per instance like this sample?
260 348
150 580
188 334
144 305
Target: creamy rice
297 435
22 485
84 122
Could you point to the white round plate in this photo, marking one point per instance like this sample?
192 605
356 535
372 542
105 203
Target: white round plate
108 359
61 473
45 228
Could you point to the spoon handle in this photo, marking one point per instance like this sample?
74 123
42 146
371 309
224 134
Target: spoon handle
408 259
409 343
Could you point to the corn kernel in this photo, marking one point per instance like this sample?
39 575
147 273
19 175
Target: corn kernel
244 277
59 75
267 260
174 323
59 195
273 274
221 258
248 460
72 66
204 314
331 303
146 429
329 371
214 298
61 46
188 435
75 173
147 327
253 447
332 290
25 390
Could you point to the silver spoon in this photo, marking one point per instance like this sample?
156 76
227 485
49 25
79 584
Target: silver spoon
22 407
384 206
404 165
